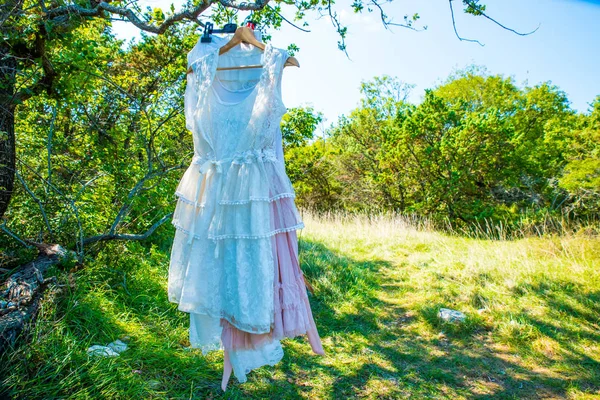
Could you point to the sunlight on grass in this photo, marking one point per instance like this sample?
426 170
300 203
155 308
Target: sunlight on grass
537 298
532 329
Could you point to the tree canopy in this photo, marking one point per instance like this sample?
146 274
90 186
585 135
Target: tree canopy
478 147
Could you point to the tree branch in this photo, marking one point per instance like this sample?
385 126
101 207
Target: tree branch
49 74
340 29
80 249
479 9
13 235
386 22
285 19
38 201
128 14
126 236
456 31
245 6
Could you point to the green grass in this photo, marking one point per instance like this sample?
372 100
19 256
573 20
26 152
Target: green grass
532 327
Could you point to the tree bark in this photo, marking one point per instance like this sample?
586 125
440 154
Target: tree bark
8 69
19 300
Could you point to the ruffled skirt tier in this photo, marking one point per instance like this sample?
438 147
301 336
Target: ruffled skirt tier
293 314
252 293
252 198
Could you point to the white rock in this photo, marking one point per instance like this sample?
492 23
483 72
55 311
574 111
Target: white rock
97 350
118 346
449 315
111 350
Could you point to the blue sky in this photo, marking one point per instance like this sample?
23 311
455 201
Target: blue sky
564 50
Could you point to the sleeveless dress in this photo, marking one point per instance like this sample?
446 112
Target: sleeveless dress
234 260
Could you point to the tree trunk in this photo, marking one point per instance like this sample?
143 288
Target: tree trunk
20 298
8 69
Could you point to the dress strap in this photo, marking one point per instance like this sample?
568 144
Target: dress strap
281 60
268 108
204 70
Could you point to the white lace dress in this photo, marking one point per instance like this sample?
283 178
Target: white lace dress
233 200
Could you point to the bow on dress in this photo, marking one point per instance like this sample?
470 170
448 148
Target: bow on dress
204 168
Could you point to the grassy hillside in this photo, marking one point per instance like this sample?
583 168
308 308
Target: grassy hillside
532 327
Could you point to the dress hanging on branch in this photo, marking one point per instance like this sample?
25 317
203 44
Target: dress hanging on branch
234 261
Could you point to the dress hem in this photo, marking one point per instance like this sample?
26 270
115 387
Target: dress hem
228 318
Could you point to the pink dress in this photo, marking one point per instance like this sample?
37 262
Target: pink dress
234 262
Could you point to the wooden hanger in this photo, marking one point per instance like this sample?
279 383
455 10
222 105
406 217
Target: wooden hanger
246 35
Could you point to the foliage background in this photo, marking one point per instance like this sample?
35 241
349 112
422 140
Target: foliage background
105 151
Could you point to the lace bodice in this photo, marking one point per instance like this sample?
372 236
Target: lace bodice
247 101
235 117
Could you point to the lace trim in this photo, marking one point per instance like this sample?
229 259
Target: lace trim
240 157
274 358
207 347
270 108
181 196
184 199
266 235
249 160
222 314
235 236
251 84
273 198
